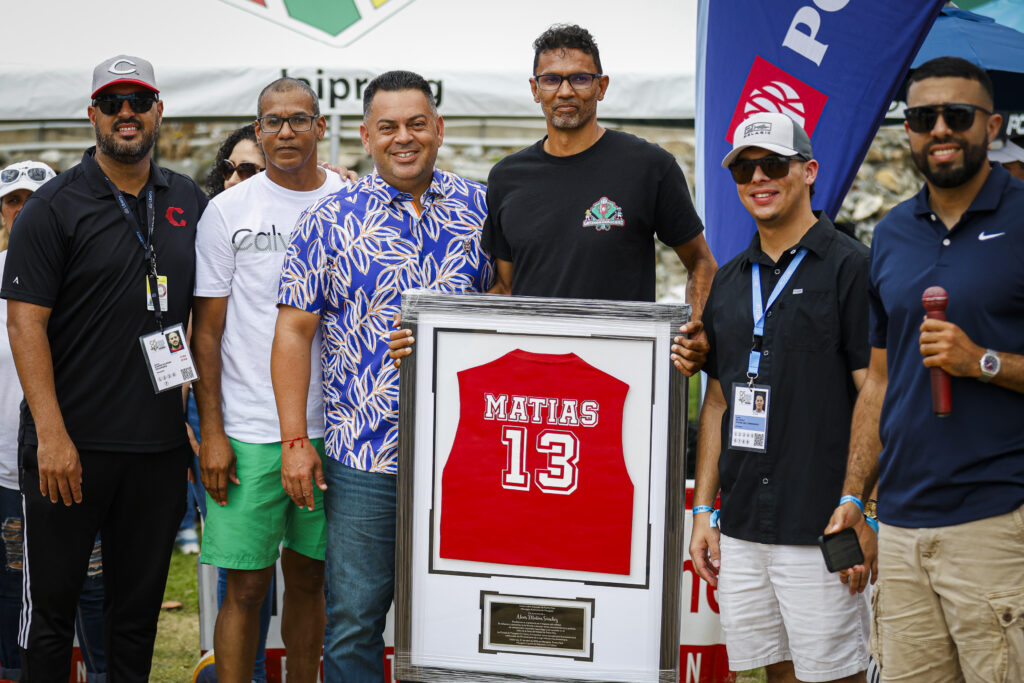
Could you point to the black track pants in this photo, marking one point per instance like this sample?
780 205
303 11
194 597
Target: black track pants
136 501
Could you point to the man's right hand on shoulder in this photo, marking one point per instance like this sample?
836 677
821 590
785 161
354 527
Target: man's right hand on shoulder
60 469
217 466
704 549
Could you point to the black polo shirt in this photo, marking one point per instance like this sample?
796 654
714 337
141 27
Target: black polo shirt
816 335
73 251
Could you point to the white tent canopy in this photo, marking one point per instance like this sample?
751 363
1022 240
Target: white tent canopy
212 57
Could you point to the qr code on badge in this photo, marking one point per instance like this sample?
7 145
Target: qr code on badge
187 374
759 440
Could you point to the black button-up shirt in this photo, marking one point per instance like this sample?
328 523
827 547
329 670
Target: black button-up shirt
815 336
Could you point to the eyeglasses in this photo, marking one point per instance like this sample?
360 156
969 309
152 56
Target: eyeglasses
245 170
34 173
299 123
580 81
958 117
773 166
110 104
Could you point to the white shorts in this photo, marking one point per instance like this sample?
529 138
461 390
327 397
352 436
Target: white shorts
779 603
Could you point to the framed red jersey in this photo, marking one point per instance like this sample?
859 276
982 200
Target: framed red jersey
540 484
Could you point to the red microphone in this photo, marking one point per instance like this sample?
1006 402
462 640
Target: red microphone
935 300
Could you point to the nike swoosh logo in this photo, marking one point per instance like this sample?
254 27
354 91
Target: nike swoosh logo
982 237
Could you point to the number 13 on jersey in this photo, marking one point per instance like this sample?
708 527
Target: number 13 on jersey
562 449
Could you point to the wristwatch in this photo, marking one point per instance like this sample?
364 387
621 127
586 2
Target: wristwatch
990 365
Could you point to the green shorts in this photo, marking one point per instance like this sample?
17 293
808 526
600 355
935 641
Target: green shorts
247 532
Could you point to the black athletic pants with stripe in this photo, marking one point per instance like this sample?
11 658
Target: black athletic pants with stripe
136 501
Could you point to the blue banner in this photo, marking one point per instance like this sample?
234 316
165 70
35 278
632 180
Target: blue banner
831 65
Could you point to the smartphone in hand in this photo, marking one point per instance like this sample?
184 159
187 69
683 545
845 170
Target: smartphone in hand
841 550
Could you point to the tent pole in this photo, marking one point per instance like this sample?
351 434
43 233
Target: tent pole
335 133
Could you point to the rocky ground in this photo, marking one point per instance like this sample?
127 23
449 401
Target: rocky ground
471 148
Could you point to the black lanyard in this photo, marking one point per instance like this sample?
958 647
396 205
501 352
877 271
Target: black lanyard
147 242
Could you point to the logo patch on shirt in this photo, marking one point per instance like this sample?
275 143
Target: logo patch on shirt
603 215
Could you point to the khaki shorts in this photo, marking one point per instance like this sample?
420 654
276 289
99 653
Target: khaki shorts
950 601
247 532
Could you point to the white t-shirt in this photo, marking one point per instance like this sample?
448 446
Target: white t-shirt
10 400
240 245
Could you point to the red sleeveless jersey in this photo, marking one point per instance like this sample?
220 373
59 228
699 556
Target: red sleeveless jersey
536 475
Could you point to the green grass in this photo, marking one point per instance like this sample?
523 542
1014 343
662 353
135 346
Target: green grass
177 636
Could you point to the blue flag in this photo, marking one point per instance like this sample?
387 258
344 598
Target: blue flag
831 65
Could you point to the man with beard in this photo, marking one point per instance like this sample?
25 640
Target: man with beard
103 259
951 489
575 214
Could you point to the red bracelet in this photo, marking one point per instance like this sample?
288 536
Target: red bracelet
291 442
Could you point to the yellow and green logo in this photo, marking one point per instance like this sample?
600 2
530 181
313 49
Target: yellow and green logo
338 22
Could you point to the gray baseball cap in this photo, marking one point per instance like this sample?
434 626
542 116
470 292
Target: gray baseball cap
772 131
123 69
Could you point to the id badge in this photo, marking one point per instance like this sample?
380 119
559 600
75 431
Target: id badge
748 430
161 285
168 358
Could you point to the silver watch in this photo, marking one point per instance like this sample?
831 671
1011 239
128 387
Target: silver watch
990 365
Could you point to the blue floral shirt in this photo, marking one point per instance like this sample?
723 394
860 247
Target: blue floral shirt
350 258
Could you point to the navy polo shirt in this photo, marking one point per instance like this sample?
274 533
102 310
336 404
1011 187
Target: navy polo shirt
815 336
940 471
73 252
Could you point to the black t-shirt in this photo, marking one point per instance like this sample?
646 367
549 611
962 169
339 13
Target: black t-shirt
816 335
74 252
583 226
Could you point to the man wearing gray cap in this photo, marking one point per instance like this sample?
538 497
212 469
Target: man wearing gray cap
787 324
98 274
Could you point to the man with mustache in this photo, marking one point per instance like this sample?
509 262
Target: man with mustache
950 598
575 215
100 269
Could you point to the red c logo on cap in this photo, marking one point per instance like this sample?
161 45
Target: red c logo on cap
171 213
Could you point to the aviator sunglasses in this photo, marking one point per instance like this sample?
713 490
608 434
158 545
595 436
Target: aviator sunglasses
773 166
245 170
958 117
110 104
35 173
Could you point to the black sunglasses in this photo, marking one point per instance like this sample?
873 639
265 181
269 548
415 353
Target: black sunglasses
245 170
958 117
773 166
111 104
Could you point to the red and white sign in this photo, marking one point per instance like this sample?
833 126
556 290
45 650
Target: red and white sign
770 89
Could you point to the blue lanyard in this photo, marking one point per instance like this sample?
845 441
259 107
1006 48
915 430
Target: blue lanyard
755 288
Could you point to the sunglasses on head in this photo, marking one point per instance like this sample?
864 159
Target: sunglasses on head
34 173
958 117
110 104
245 170
774 166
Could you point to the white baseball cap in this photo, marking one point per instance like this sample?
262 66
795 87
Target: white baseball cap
1008 153
24 175
772 131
